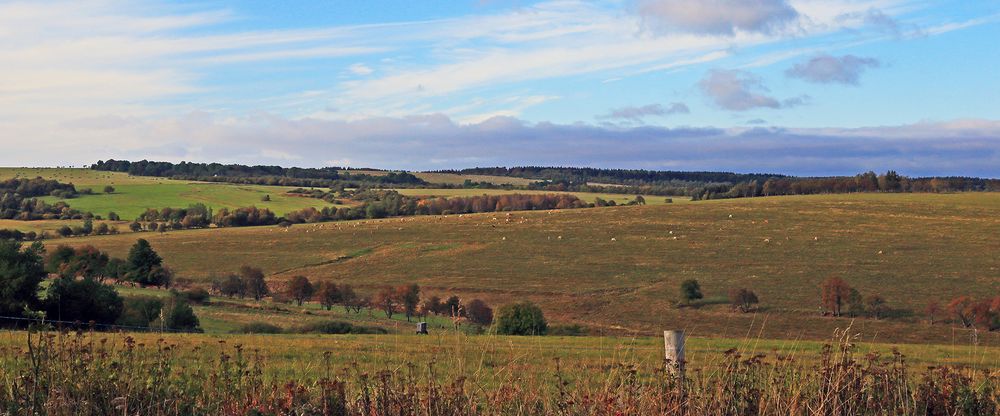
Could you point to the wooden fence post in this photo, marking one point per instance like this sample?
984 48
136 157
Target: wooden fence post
673 350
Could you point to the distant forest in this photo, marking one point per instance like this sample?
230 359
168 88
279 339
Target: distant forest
258 174
697 185
716 185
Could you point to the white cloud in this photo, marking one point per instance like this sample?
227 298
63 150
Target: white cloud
716 17
360 69
736 90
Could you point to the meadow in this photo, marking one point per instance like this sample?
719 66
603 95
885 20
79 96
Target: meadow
134 194
616 270
87 373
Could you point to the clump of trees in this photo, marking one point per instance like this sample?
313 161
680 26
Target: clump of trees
836 295
524 318
79 292
200 216
248 282
972 313
17 235
19 200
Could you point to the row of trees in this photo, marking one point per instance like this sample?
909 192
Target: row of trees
839 299
258 174
392 204
404 299
200 216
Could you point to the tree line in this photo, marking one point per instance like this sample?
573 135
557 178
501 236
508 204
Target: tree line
257 174
384 204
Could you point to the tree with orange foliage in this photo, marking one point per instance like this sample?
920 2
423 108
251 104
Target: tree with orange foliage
962 309
835 293
386 301
932 310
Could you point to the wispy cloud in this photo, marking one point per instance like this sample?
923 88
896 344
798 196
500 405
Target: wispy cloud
636 114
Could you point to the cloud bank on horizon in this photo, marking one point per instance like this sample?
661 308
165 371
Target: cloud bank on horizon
808 87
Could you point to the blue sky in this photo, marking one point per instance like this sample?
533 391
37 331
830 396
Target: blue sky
805 87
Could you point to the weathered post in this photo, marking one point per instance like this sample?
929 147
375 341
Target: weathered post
673 350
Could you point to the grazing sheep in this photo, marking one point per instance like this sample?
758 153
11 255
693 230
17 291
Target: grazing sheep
730 215
559 238
613 239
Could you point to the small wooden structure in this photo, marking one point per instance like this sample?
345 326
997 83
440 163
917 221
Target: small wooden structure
422 328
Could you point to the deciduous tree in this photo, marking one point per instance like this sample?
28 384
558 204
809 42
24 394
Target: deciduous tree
300 289
835 292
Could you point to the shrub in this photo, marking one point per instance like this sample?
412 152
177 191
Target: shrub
690 290
479 313
336 327
259 328
140 311
523 318
180 316
197 295
574 330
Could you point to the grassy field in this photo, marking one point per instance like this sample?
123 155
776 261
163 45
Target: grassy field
490 359
134 194
617 269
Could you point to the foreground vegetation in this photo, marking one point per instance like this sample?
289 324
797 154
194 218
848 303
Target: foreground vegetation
95 373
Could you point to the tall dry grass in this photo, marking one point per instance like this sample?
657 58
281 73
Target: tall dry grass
82 373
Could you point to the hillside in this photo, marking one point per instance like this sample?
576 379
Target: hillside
617 269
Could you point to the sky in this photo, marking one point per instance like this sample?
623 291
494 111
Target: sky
802 87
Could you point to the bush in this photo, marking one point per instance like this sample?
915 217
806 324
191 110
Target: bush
180 316
690 290
259 328
575 330
336 327
523 318
479 313
140 311
197 295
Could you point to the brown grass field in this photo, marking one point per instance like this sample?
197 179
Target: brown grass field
617 270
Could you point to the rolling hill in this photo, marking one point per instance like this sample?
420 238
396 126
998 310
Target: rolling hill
617 269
